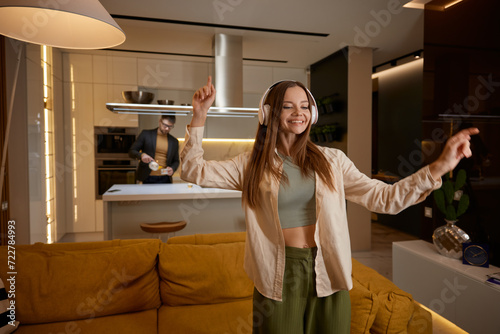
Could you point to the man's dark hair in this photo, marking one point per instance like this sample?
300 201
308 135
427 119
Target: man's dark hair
170 118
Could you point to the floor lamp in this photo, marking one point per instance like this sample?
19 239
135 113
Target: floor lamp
76 24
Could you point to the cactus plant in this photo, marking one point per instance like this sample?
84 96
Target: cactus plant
444 197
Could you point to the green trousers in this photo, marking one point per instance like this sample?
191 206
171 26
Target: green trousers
301 311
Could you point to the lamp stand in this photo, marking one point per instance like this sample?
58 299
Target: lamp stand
9 119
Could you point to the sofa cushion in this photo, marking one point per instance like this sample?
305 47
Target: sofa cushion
143 322
223 318
69 282
203 274
395 305
364 308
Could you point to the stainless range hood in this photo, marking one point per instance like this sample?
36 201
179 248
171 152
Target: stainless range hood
228 52
228 78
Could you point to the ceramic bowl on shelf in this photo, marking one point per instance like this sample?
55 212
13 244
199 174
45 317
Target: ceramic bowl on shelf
167 102
138 96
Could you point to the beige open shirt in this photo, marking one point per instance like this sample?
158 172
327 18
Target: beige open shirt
265 245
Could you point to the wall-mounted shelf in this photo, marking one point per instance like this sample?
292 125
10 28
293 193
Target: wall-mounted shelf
467 116
175 110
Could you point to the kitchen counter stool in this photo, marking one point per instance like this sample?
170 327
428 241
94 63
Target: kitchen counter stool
163 228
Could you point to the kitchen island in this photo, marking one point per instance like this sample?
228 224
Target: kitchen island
206 210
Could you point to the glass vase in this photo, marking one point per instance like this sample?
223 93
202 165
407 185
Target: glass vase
448 239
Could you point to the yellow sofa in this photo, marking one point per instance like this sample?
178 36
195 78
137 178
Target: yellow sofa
191 284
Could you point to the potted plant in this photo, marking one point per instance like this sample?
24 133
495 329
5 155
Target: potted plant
319 133
321 106
327 101
330 132
452 202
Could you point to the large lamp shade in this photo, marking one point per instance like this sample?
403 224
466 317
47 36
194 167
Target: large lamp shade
72 24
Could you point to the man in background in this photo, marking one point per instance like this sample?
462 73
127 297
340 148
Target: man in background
159 146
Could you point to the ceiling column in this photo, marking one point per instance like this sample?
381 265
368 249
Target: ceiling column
359 129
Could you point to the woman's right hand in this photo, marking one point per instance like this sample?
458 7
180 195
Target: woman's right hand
203 99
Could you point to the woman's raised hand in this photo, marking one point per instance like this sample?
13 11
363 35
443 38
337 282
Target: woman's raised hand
203 99
456 148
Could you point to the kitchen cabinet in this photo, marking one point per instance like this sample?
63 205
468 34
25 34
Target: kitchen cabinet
100 66
257 79
77 68
111 76
104 93
79 157
89 82
171 74
123 70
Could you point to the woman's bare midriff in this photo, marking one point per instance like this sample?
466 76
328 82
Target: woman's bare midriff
300 237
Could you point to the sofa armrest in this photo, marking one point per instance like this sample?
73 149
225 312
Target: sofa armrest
421 320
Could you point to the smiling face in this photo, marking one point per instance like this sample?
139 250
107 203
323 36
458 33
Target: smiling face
295 114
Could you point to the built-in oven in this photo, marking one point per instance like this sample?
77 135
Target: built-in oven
111 172
114 140
113 165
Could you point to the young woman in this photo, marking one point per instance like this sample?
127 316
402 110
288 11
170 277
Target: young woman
297 250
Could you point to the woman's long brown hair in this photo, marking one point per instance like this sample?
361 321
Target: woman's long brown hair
263 157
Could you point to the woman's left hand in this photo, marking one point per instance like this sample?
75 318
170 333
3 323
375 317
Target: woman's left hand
456 148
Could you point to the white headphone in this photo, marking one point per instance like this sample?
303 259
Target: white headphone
265 109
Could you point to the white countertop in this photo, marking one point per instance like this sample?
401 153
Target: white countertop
171 191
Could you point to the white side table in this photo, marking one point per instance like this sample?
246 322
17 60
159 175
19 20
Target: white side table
456 291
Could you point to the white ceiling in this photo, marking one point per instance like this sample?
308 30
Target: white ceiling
384 25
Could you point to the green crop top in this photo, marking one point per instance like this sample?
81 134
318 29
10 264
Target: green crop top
297 199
